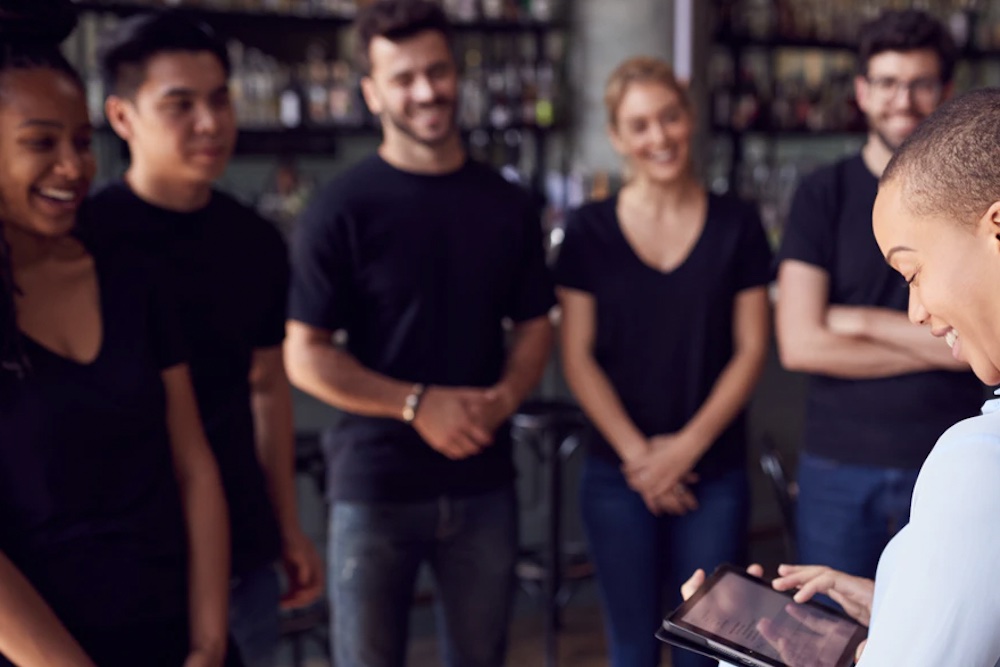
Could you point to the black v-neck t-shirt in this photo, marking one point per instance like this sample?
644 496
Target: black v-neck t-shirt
663 338
89 503
228 272
420 271
890 421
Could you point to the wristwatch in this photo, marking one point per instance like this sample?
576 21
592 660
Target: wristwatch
412 403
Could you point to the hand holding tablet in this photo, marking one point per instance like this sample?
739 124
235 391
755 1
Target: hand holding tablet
854 594
737 617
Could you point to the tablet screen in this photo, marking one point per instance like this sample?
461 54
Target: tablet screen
748 613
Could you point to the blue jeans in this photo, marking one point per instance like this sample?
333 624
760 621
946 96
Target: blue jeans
848 513
376 550
254 623
642 559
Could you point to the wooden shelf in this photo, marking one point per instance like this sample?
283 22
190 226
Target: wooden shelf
777 42
322 140
244 18
797 133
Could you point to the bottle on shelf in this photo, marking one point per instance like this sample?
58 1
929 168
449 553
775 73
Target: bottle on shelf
290 99
528 72
345 103
316 93
499 114
472 93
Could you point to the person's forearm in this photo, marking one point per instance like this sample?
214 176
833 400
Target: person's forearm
728 397
271 403
335 377
207 524
30 633
822 352
526 360
893 328
599 400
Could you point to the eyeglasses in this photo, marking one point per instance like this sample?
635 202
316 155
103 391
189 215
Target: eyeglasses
927 89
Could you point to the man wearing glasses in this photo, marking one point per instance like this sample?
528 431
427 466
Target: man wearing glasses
880 389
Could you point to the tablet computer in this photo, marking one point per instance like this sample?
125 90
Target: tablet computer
740 619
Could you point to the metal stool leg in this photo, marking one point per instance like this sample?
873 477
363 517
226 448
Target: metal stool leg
553 581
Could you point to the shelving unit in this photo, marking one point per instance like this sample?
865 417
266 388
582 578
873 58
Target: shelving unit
769 74
284 42
240 18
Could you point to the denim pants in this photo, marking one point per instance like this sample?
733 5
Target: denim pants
376 550
848 513
642 559
254 599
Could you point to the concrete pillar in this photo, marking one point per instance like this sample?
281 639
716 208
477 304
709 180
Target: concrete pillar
606 32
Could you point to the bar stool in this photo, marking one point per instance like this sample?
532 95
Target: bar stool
552 430
312 623
785 492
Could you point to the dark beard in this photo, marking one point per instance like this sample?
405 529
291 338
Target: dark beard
401 125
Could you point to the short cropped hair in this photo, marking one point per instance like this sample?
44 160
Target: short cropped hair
126 51
907 30
641 69
948 167
396 20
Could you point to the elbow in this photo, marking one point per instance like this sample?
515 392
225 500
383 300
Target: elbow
297 364
797 343
795 357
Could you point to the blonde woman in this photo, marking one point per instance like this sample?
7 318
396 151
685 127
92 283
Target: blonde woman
664 334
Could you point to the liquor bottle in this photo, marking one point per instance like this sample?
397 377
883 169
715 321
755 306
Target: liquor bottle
479 145
499 114
513 90
493 10
721 83
254 88
237 81
462 11
472 104
345 105
317 96
529 81
542 11
746 111
510 168
546 80
290 100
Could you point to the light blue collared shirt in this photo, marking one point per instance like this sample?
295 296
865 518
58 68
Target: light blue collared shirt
937 590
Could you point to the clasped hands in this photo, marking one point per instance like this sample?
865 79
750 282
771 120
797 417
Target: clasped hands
662 475
853 594
459 422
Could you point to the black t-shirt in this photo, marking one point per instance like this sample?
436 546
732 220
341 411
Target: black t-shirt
420 271
663 338
89 504
228 269
892 421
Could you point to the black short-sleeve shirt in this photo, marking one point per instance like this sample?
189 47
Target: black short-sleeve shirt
663 338
228 271
420 271
892 421
89 504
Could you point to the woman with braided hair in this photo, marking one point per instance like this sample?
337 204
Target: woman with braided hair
113 531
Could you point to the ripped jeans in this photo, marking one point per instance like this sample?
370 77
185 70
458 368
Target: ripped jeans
376 550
